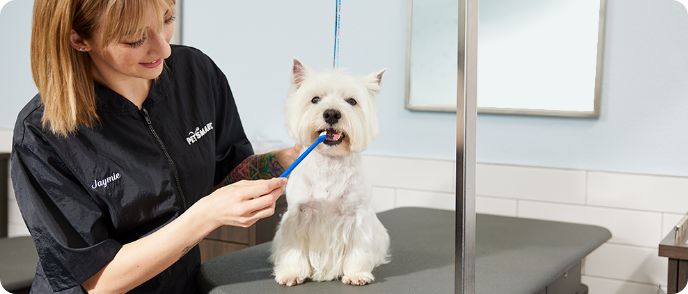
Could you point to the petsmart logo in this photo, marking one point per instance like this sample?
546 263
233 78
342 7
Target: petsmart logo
198 133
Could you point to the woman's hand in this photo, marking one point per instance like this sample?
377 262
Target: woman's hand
239 204
245 202
286 156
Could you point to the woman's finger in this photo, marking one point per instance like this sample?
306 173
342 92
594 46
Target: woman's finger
253 189
264 201
263 213
298 148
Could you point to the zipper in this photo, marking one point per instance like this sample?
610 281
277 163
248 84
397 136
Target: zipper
167 156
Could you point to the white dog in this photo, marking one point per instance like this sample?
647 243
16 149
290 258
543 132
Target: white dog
329 229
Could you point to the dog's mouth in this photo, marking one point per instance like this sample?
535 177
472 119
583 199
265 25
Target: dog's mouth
333 137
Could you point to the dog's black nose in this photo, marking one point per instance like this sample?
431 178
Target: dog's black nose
332 116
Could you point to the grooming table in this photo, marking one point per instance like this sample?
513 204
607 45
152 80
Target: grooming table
513 255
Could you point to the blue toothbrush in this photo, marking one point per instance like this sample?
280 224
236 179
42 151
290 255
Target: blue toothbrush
296 162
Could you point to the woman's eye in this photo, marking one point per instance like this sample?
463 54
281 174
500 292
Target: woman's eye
351 101
315 100
170 19
136 43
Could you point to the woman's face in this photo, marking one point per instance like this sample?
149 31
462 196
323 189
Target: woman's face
140 58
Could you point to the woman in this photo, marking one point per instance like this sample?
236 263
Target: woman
113 158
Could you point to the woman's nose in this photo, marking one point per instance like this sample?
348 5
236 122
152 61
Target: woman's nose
158 43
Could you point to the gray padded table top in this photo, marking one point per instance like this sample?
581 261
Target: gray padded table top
18 259
513 255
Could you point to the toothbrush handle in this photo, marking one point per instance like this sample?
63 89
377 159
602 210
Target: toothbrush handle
298 160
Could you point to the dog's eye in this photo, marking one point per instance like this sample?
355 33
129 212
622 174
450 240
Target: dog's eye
351 101
315 100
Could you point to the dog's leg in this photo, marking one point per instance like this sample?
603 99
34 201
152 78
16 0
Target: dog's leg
368 248
289 256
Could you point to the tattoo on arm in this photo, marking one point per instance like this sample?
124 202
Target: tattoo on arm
255 167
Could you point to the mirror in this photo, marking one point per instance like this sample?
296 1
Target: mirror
535 57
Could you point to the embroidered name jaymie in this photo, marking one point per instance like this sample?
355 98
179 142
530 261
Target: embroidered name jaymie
198 133
104 182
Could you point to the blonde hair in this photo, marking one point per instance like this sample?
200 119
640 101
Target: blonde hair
63 75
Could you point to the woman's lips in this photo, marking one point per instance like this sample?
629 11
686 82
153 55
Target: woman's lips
153 64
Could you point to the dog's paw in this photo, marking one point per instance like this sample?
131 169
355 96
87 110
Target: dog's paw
289 280
359 279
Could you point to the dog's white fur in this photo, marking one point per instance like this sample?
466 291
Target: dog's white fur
330 230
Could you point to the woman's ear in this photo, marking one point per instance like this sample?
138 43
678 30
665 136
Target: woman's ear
78 43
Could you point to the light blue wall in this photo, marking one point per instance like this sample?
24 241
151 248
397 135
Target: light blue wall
16 84
254 43
643 126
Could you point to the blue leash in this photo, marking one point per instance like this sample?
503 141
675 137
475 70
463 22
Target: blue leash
337 23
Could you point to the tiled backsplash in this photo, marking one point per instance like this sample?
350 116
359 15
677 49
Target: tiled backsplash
639 210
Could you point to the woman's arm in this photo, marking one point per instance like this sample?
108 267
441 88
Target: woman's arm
240 204
263 166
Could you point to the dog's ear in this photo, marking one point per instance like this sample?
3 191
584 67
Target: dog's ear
374 80
298 73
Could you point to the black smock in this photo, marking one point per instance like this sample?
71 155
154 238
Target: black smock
85 195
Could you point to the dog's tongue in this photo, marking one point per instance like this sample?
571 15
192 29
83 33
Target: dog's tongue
333 135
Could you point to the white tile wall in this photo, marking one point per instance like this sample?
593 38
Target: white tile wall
608 286
541 184
425 199
5 140
383 199
644 192
669 220
498 206
628 263
627 226
639 210
412 174
15 223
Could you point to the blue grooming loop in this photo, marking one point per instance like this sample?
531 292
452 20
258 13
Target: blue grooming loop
337 23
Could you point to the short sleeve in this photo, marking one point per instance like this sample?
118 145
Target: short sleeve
231 144
67 225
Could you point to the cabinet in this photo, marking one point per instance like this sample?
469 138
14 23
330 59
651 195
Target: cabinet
675 248
4 188
568 282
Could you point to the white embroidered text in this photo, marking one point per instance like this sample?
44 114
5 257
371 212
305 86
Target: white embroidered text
104 182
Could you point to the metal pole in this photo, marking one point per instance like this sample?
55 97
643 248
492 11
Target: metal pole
465 148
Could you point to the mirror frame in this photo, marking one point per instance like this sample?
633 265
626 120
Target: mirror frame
595 113
179 14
